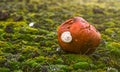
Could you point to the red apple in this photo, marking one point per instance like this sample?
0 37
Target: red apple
77 36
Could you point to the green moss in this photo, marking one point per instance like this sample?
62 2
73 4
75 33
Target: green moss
30 49
73 58
81 65
115 45
2 59
100 70
1 51
114 48
59 61
18 71
39 59
62 67
15 24
33 49
106 37
1 31
93 66
30 52
28 30
2 43
42 31
26 37
31 63
110 24
109 31
51 58
3 69
49 43
58 68
112 32
14 65
48 49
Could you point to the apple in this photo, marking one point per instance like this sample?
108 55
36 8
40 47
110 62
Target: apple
76 35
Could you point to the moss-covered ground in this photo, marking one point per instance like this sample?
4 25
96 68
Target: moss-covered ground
25 48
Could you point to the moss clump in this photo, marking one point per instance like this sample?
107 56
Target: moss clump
110 24
3 69
114 48
29 49
1 51
81 65
30 52
2 59
106 37
14 65
18 71
73 58
31 65
59 61
40 59
58 68
29 30
109 31
2 44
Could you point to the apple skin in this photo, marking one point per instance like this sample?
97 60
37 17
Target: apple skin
85 37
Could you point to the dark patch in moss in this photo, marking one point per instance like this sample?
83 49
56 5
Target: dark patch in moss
44 69
37 25
98 10
18 18
9 29
4 15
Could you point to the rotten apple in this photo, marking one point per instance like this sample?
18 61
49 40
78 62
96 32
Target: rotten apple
76 35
